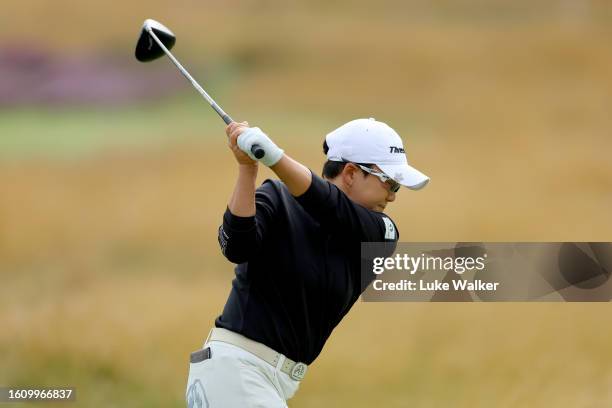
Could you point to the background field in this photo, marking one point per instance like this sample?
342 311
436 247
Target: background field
109 267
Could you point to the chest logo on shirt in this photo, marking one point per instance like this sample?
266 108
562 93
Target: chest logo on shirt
389 228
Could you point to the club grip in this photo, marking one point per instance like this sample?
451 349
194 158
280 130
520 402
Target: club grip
227 119
257 151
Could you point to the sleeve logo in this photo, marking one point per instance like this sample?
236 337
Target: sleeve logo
223 238
389 228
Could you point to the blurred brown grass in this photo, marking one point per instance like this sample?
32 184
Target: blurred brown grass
112 275
110 269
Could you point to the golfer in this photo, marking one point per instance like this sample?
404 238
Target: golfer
296 243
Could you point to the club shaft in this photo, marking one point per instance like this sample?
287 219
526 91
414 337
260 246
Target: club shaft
195 84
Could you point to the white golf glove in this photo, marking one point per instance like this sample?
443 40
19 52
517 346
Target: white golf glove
254 135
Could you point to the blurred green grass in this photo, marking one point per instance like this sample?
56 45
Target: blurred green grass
71 132
74 133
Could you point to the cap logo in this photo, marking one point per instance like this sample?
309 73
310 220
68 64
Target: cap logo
395 149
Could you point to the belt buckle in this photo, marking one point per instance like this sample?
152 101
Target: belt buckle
298 371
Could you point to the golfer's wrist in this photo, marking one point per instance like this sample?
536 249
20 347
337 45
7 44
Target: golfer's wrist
250 168
248 172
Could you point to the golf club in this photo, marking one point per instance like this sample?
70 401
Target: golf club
154 41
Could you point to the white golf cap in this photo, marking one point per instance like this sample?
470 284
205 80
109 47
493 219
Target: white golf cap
370 141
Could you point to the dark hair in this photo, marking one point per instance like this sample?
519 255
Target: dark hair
331 169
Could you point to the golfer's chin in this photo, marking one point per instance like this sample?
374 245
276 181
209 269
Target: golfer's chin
378 208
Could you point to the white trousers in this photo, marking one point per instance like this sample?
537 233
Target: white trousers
233 377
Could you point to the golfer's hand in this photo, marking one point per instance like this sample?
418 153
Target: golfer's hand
254 136
233 130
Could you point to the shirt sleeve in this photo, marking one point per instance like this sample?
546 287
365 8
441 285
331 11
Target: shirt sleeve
241 237
327 204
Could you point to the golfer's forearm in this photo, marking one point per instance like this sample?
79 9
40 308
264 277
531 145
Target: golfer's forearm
295 175
242 201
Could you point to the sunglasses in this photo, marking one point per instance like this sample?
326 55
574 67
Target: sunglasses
395 186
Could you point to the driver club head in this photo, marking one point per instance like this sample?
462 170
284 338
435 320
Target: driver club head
147 48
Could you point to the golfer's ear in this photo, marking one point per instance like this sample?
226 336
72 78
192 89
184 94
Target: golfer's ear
348 174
